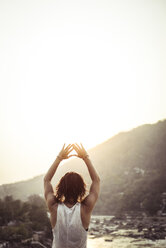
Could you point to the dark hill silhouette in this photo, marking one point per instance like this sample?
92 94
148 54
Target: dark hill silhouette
132 167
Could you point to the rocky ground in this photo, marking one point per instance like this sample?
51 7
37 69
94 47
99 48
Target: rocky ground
152 228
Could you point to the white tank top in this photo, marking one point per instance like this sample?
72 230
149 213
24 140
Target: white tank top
69 231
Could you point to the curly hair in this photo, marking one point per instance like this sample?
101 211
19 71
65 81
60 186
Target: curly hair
71 187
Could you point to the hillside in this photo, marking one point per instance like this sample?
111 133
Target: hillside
132 167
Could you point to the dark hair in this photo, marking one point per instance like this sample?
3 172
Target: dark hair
71 187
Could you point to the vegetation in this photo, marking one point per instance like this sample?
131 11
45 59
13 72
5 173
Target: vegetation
20 220
137 171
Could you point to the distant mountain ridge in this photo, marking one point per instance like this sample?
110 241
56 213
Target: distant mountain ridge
132 167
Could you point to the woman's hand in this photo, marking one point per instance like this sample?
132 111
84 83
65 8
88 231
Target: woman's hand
81 152
64 153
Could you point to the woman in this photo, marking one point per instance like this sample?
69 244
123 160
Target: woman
70 210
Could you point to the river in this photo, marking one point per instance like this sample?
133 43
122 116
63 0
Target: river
126 242
118 238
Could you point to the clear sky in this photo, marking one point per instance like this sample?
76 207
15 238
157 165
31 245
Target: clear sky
76 71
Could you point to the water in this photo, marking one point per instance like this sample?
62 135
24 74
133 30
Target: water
124 242
117 238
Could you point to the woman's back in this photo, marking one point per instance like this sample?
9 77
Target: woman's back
69 224
69 231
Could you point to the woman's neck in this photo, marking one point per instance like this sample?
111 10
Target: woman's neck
71 202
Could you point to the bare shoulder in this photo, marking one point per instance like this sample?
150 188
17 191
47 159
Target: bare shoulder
89 202
53 214
87 206
85 215
52 203
53 209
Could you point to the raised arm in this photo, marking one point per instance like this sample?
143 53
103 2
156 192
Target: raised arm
48 190
90 199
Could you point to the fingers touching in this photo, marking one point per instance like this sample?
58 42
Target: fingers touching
80 150
65 151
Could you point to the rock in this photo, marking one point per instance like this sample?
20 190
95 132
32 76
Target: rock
108 240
